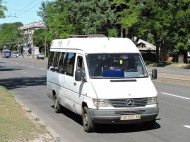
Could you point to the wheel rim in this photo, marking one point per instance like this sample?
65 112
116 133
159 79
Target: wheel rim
85 119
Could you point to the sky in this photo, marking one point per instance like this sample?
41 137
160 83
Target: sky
24 11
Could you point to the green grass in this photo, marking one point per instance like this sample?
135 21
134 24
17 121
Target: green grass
37 119
14 122
29 111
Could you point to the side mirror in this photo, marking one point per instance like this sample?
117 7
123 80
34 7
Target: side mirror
154 74
78 75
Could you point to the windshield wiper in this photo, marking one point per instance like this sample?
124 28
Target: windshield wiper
140 76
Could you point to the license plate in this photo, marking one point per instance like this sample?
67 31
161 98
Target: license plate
130 117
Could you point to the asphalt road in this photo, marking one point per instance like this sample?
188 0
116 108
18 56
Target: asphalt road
27 81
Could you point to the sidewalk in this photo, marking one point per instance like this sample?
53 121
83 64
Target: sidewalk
172 75
174 79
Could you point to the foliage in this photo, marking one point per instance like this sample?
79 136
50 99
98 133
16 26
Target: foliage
39 38
112 33
181 14
55 15
129 14
163 23
94 16
2 9
10 35
166 22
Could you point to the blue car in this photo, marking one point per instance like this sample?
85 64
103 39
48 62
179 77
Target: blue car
14 56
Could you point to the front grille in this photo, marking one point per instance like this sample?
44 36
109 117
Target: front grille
137 102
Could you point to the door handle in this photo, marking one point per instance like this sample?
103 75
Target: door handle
75 83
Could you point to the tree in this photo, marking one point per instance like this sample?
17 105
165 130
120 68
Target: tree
55 15
2 9
128 12
156 20
39 39
10 35
91 17
168 22
181 26
65 17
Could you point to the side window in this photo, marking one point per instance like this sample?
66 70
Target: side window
50 61
56 61
80 64
69 63
61 63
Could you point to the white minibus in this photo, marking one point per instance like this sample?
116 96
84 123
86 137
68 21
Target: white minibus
102 79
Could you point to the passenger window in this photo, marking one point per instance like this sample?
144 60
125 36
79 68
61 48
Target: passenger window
56 61
50 61
61 63
69 63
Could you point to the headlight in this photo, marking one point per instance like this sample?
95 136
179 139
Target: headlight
152 100
101 103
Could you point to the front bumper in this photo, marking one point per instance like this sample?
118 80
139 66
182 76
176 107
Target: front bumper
113 116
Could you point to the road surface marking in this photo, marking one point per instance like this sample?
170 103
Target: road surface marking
31 66
175 95
186 126
24 72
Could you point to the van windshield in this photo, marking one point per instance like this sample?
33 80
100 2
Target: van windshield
116 66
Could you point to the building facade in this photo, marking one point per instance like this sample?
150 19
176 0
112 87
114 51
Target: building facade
28 31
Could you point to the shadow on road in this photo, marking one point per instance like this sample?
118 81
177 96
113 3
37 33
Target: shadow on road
7 69
111 128
13 83
127 128
71 115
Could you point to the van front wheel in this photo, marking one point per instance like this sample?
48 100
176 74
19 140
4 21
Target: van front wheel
88 125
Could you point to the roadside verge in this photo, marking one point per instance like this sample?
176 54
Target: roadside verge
18 124
174 79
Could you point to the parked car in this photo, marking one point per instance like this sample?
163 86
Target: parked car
40 56
14 56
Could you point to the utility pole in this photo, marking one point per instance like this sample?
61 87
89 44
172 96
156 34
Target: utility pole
45 45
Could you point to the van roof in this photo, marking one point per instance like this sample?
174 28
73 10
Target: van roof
95 45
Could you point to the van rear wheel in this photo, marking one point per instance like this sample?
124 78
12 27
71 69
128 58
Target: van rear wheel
88 125
57 106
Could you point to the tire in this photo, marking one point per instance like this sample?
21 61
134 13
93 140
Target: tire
150 124
57 106
88 125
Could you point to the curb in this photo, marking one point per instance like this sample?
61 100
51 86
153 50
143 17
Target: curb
50 130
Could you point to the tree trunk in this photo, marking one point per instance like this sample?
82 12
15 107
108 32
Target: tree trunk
164 53
127 32
157 54
121 32
181 58
45 52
